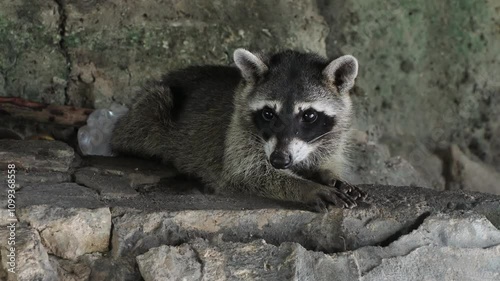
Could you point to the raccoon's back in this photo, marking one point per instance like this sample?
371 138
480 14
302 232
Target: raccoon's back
202 110
182 118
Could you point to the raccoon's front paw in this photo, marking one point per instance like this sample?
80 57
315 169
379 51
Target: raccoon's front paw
350 190
323 197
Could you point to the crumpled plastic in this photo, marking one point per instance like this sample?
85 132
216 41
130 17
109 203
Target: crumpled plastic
95 137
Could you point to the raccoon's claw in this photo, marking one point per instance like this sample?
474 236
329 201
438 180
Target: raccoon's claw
352 191
328 196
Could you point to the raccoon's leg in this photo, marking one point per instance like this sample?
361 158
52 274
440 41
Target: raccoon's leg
317 194
143 131
279 185
326 177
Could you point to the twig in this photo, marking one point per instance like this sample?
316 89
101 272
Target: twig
58 114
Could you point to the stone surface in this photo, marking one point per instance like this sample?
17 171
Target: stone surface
32 260
96 266
468 174
6 215
201 260
124 269
32 63
390 212
64 195
134 234
143 39
427 79
170 263
431 252
427 82
431 165
137 173
373 163
70 270
108 186
28 178
444 247
69 232
131 217
41 156
445 263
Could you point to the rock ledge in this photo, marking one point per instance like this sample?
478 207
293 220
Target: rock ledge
129 219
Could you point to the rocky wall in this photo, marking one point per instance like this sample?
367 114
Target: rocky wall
428 75
427 90
103 51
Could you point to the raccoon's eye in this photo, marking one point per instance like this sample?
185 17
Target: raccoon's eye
309 116
267 114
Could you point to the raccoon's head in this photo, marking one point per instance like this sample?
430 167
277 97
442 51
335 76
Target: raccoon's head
297 104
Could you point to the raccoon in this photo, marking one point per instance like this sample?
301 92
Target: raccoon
272 125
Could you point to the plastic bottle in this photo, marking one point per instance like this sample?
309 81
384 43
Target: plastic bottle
94 138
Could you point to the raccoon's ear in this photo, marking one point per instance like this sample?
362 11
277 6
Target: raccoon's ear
342 72
250 65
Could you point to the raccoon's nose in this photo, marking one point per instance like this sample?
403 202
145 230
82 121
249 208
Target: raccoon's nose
281 160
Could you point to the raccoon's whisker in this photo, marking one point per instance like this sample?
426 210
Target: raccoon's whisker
320 136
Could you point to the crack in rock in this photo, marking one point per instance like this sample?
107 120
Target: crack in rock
405 230
62 44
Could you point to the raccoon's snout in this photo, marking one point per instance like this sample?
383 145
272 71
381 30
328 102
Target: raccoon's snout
281 160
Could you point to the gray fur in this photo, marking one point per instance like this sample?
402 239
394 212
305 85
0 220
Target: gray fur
199 120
